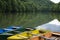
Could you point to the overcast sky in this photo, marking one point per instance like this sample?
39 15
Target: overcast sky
55 1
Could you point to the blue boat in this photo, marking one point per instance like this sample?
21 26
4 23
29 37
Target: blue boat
1 31
8 29
11 28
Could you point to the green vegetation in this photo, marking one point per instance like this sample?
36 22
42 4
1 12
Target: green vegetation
28 5
20 17
27 19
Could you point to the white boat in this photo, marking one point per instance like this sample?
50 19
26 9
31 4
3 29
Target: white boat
53 26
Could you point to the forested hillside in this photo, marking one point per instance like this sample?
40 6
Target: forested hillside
27 5
26 12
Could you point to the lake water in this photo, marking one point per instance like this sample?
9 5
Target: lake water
29 19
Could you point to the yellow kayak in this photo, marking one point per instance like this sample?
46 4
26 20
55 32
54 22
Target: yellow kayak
23 35
34 32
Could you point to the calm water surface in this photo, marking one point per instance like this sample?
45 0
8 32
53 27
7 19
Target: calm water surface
29 19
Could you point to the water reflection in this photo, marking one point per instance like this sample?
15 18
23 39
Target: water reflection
29 19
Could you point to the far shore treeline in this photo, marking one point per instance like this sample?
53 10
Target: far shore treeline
27 13
28 6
